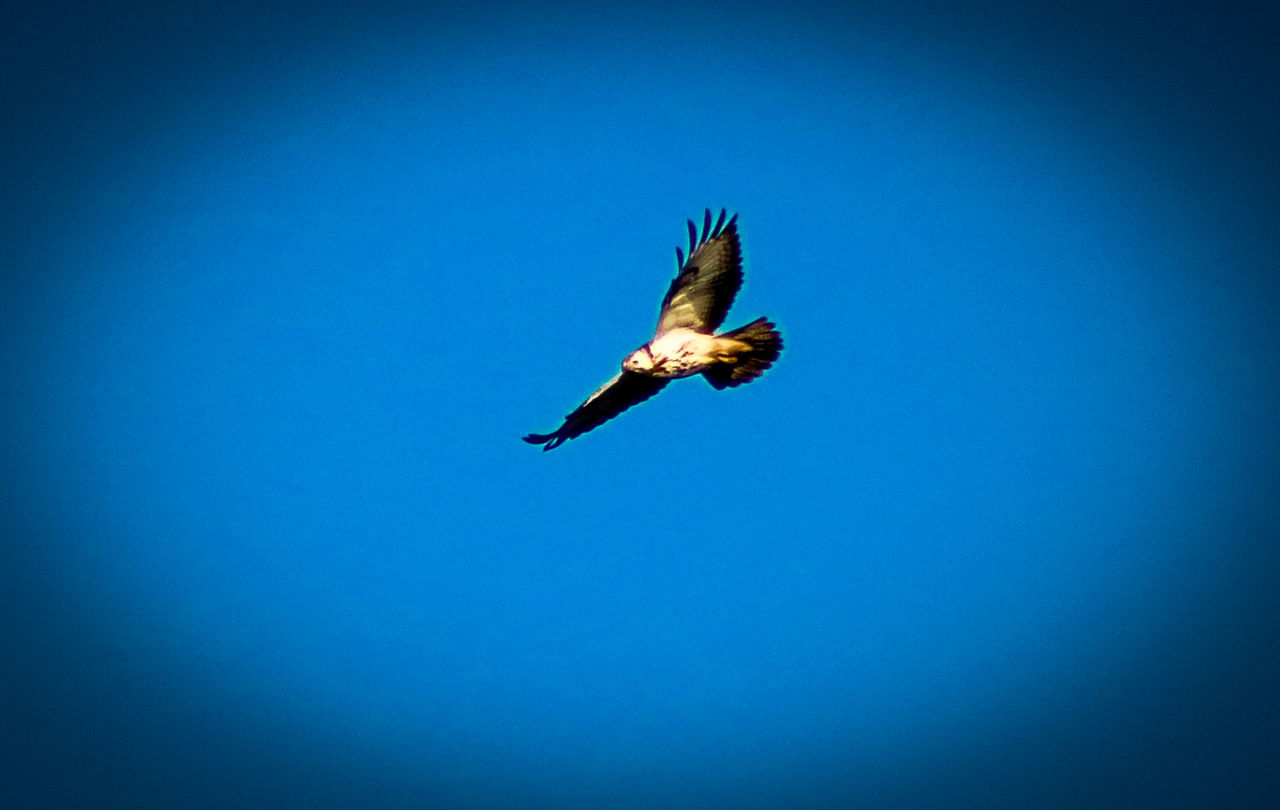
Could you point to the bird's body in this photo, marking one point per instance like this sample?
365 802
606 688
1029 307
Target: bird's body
685 342
683 353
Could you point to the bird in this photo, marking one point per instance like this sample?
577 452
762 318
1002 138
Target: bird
685 342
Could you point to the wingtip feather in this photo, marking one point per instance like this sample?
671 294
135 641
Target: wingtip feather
549 441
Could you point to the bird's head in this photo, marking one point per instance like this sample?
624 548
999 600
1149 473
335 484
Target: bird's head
639 361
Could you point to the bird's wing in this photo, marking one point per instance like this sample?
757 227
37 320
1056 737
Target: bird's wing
706 284
613 398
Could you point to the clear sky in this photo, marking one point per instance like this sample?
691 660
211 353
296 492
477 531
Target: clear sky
284 284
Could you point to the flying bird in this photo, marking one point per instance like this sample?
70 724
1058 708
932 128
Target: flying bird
685 342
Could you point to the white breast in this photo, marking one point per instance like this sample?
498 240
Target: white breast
682 353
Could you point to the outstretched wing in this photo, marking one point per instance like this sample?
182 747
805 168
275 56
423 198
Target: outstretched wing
613 398
705 286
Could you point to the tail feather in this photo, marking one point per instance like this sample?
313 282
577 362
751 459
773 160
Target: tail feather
766 344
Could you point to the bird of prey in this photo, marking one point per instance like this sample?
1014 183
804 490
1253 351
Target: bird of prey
685 342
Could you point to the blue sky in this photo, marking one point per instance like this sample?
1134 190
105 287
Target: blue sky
285 285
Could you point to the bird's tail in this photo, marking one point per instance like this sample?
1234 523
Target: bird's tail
764 344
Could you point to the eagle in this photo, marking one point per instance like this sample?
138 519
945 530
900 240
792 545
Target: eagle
685 342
